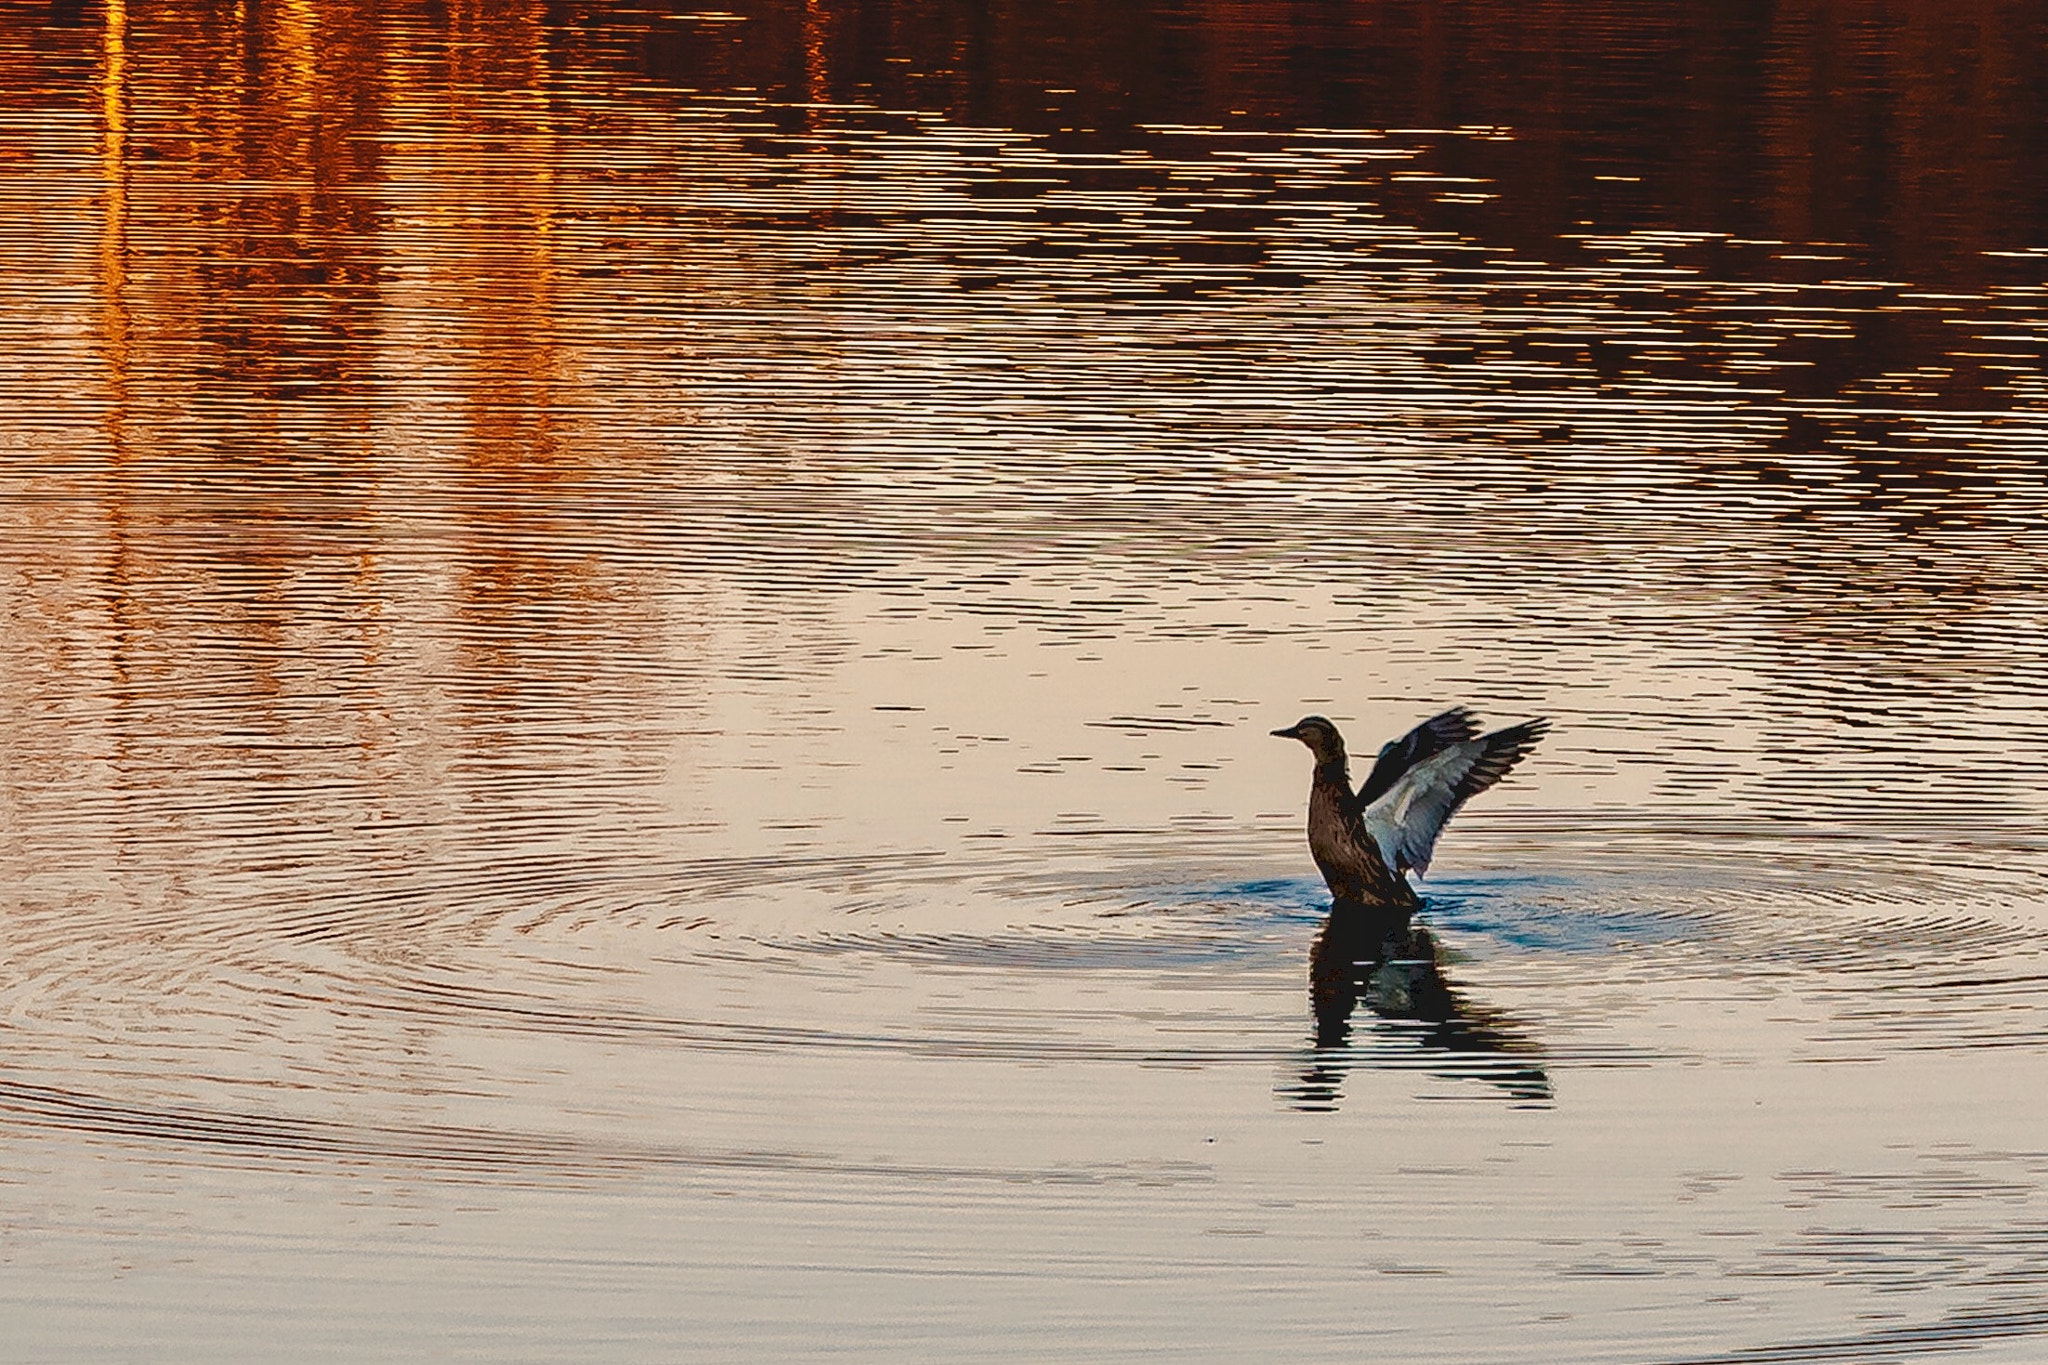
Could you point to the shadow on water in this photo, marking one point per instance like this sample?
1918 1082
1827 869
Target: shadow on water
1394 967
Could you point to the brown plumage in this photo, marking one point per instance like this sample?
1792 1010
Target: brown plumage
1365 842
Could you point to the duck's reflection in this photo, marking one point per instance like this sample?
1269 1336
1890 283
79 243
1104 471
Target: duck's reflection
1393 966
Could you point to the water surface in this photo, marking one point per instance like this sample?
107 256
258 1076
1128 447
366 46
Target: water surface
638 648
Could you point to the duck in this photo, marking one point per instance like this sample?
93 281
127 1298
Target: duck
1367 842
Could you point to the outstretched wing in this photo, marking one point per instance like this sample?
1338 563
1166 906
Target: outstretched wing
1406 820
1397 756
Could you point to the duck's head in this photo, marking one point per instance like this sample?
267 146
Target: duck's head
1321 737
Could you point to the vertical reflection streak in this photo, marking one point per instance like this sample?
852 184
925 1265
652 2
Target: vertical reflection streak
114 223
817 75
297 34
548 154
114 320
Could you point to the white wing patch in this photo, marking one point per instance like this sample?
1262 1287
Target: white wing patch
1406 821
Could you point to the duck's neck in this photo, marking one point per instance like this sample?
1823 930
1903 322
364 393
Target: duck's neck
1336 771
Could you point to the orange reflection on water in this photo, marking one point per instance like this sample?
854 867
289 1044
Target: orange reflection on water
368 282
114 174
330 408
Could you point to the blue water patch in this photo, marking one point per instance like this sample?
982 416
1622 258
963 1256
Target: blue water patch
1537 912
1550 913
1282 899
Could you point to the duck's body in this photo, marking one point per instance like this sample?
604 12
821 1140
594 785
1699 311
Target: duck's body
1347 856
1366 842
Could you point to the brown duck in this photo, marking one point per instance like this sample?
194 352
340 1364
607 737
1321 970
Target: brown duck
1366 842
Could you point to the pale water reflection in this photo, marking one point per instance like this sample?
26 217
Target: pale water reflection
638 648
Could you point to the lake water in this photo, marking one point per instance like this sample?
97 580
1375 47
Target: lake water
637 650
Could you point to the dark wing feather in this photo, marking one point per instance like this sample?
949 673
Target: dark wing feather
1426 740
1504 749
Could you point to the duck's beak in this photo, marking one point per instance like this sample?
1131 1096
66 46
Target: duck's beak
1291 732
